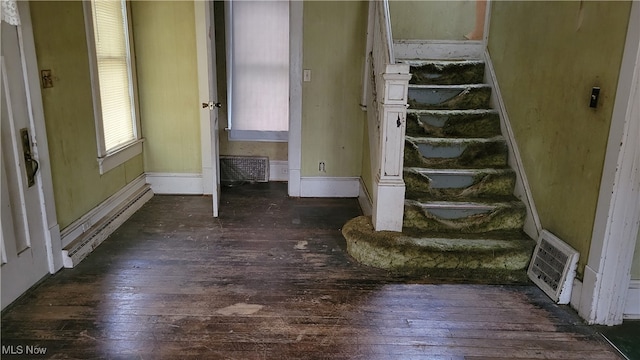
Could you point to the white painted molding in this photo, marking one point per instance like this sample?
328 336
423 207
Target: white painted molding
95 215
202 21
615 229
364 199
532 225
438 49
76 251
632 304
112 160
295 97
175 183
41 147
576 294
330 187
388 209
487 24
278 170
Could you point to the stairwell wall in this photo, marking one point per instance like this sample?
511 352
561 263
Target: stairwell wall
547 56
439 20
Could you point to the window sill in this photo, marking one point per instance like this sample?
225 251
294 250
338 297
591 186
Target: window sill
119 156
250 135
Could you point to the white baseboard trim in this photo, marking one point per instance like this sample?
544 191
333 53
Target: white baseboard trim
438 49
576 294
294 182
364 199
278 170
330 187
175 183
95 215
532 225
632 306
83 245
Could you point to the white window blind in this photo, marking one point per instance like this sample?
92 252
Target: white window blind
259 74
110 30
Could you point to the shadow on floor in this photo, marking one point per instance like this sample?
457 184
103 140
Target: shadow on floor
625 337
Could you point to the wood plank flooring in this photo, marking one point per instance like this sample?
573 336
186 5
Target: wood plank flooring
270 279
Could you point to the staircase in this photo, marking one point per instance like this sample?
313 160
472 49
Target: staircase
461 220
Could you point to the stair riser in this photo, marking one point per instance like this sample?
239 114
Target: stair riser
451 73
454 124
458 186
417 218
449 98
425 262
470 155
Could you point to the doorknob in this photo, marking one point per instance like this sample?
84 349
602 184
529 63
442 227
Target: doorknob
211 105
30 164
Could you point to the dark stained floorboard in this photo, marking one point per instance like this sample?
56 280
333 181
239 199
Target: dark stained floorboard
270 279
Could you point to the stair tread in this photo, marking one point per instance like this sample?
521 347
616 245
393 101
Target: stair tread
484 204
461 172
454 86
495 235
454 244
432 139
419 62
452 112
426 198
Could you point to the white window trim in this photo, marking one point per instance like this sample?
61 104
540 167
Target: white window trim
114 158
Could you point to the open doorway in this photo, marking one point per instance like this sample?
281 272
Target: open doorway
438 20
239 136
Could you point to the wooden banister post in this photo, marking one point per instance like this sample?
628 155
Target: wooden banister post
388 207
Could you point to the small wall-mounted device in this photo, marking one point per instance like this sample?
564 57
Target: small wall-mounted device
595 94
47 80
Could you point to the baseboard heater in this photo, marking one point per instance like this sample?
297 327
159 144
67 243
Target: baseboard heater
77 250
238 169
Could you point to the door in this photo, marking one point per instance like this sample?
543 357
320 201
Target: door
214 105
24 253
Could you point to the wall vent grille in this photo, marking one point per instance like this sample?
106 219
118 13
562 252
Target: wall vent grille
553 267
244 168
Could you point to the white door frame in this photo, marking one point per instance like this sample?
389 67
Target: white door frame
295 95
607 273
44 181
207 77
201 9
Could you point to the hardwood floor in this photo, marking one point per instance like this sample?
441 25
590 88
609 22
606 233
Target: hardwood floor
270 279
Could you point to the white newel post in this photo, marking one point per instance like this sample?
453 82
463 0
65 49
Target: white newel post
388 207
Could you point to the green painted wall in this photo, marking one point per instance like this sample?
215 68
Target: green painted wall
273 150
432 20
332 122
61 46
635 268
164 36
548 56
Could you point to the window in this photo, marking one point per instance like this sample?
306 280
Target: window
258 51
112 76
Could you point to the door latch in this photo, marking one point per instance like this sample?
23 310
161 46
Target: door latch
30 164
211 105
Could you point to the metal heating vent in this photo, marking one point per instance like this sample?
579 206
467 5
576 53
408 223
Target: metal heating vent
244 168
553 267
